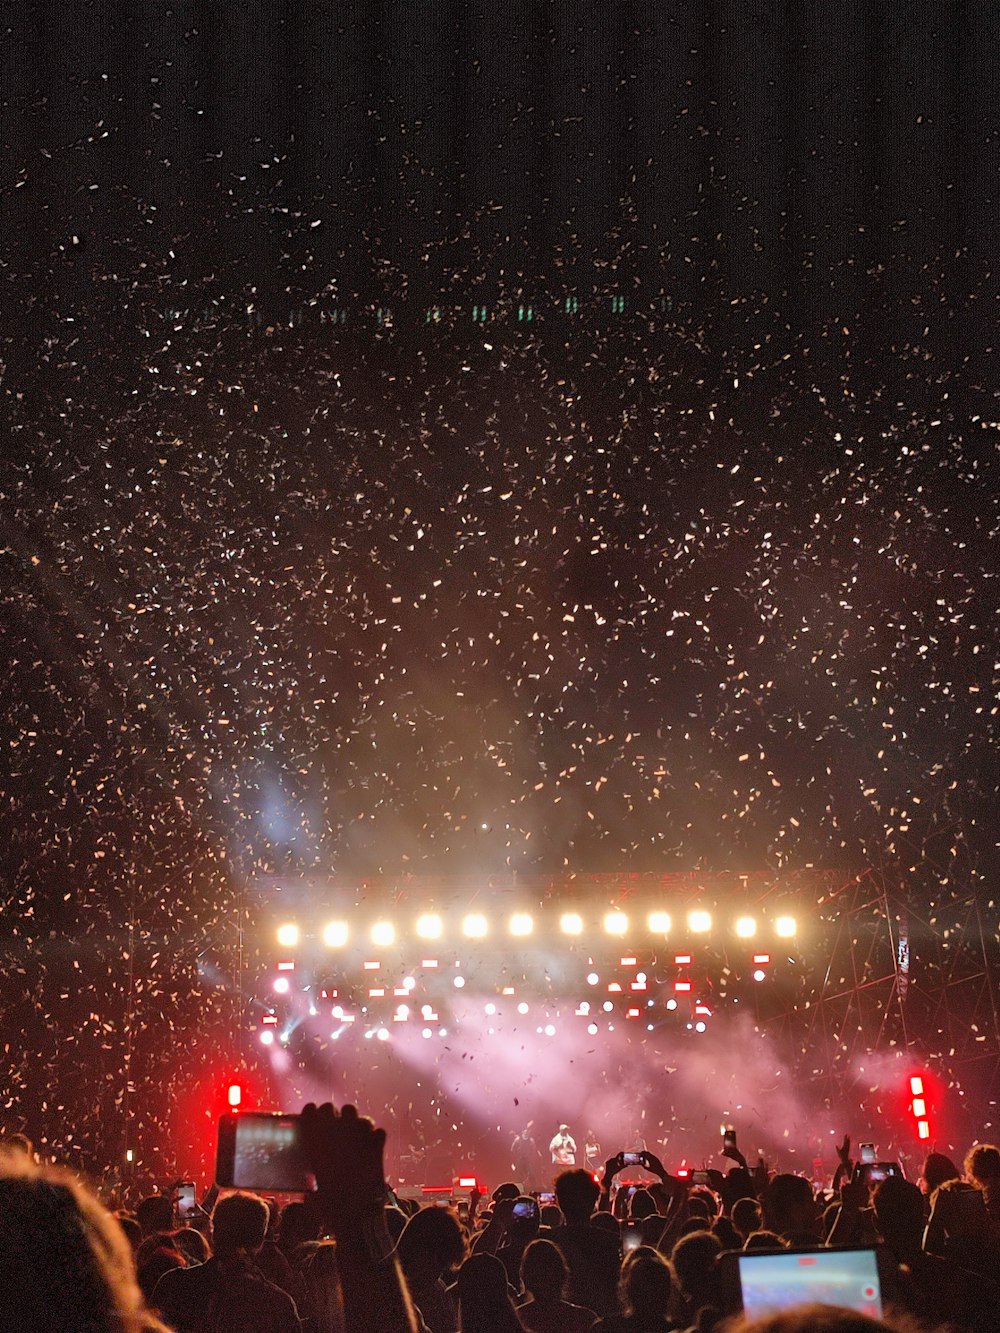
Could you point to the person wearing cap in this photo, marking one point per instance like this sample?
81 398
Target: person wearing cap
563 1148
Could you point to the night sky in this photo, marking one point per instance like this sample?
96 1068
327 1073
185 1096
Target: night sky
710 583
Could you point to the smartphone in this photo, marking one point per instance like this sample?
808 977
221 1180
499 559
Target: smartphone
526 1208
700 1178
867 1152
632 1159
262 1150
765 1282
546 1197
631 1237
729 1139
187 1203
873 1173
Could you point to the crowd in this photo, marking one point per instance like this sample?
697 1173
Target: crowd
606 1256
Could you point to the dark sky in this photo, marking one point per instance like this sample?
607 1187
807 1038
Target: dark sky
715 589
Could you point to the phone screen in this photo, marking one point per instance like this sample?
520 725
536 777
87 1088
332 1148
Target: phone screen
867 1152
774 1282
525 1208
187 1204
632 1158
631 1237
262 1150
729 1139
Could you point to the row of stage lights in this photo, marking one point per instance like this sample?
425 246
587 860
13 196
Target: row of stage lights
521 925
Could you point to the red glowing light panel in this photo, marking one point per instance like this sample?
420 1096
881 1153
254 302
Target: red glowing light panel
234 1095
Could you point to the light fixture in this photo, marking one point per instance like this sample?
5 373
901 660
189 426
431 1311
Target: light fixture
659 923
430 926
616 923
475 926
785 927
383 934
335 934
699 922
288 935
746 927
521 924
571 923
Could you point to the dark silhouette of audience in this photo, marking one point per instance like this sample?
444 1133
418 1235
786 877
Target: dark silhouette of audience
347 1260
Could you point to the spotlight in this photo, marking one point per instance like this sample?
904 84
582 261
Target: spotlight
427 1033
490 1008
608 1007
383 934
429 926
699 1026
616 923
475 926
785 927
281 985
671 1003
592 978
592 1029
521 924
550 1029
659 923
699 922
288 935
267 1037
746 927
759 974
571 923
383 1034
522 1008
335 934
459 982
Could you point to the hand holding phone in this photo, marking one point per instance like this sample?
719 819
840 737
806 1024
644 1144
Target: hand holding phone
631 1159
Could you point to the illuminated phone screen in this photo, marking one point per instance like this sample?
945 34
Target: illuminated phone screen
774 1282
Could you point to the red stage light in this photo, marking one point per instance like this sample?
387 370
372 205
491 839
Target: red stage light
919 1107
916 1085
467 1182
234 1095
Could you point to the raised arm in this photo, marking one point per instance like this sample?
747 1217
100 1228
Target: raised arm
345 1152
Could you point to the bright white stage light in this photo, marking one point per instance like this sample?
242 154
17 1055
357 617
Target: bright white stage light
699 922
592 978
746 927
427 1033
607 1006
760 974
475 926
571 923
522 1008
699 1026
335 934
521 924
671 1003
550 1029
490 1008
383 1034
383 934
616 923
459 982
267 1037
785 927
659 923
592 1029
288 935
584 1007
281 985
430 926
409 983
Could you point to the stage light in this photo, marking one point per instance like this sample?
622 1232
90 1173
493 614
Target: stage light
442 1032
571 923
550 1030
521 924
475 926
267 1037
402 1013
592 978
699 922
919 1108
335 934
699 1026
746 927
337 1011
671 1003
234 1095
592 1029
130 1154
682 987
427 1033
785 927
616 923
430 926
383 934
659 923
759 974
583 1007
608 1007
522 1008
490 1008
409 983
383 1034
288 935
458 983
280 984
916 1085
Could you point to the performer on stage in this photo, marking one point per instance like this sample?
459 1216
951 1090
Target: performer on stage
592 1152
563 1148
